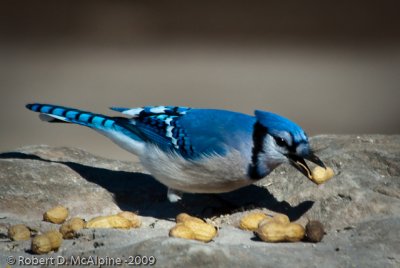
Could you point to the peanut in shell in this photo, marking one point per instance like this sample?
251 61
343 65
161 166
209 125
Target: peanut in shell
320 175
57 214
113 221
19 232
41 244
70 228
279 218
251 220
55 238
132 217
184 217
277 232
181 231
202 231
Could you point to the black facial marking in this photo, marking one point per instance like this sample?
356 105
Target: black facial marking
259 133
280 141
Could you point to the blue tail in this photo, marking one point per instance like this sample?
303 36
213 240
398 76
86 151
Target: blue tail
54 113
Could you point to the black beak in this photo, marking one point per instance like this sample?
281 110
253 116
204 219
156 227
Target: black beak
313 158
301 165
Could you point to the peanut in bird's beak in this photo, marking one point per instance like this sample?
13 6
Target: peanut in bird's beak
301 165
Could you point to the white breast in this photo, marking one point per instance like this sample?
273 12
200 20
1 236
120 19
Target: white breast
212 174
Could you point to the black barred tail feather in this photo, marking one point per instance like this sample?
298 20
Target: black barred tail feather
54 113
118 129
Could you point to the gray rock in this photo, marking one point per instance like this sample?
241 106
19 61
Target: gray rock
359 208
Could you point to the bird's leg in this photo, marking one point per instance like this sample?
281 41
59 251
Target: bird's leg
174 195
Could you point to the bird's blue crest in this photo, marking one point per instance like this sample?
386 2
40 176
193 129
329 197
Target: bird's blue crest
276 124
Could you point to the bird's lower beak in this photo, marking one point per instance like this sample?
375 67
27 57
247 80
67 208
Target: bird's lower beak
301 165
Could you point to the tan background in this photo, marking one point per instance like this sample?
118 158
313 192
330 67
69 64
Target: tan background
333 68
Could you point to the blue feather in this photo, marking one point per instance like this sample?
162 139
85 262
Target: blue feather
88 119
276 123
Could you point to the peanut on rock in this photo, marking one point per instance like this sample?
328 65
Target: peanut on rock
189 227
70 228
56 214
19 232
184 217
251 220
46 242
55 238
132 217
279 218
112 221
320 175
202 231
181 231
41 244
278 232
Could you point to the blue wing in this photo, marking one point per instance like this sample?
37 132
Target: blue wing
190 132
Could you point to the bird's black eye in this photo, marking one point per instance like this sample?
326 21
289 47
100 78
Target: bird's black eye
281 142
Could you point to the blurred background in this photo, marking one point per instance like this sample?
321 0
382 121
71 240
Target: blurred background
331 66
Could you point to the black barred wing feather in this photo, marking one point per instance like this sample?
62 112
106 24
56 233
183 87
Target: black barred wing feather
161 126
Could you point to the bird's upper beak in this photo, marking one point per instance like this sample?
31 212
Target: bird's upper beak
301 165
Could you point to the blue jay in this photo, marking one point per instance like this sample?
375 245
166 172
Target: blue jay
198 150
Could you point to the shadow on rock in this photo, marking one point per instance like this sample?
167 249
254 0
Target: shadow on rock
140 192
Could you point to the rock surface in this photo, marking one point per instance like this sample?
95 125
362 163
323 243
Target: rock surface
359 207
